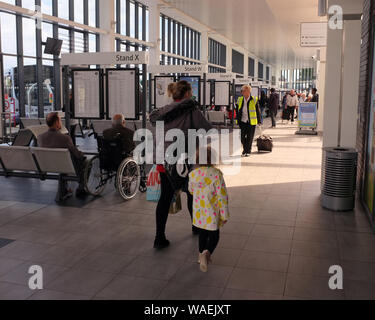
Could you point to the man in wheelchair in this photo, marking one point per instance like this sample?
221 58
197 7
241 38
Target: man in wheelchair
119 131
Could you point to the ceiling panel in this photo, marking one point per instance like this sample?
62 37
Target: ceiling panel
266 28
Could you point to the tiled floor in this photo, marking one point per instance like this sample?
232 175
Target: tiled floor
279 243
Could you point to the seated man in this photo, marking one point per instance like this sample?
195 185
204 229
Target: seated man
118 130
54 139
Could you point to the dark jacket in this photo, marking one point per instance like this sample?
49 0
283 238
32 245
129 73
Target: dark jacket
239 112
274 102
54 139
126 136
182 115
315 98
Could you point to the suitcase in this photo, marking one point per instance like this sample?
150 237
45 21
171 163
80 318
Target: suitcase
265 143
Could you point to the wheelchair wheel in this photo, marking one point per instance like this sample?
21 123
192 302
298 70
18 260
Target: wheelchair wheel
94 184
128 179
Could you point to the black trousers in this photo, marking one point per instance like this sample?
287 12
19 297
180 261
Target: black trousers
273 114
291 113
208 240
162 209
247 136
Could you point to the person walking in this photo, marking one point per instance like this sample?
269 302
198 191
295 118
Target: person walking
292 103
274 106
315 96
182 114
211 209
263 103
248 117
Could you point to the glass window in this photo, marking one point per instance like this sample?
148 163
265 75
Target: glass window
140 22
8 33
10 1
49 99
31 88
11 92
63 9
47 32
132 20
79 42
92 13
147 22
64 36
29 4
78 11
123 17
47 7
92 42
29 37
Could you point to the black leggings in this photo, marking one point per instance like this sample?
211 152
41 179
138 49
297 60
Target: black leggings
162 210
208 240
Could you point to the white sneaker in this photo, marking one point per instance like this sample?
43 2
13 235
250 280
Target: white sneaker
204 261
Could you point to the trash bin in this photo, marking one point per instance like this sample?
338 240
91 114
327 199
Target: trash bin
339 175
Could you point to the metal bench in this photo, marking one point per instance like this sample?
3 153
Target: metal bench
38 163
26 122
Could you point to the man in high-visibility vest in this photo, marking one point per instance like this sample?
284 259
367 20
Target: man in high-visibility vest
248 118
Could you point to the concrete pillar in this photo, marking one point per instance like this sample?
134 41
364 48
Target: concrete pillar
107 22
154 32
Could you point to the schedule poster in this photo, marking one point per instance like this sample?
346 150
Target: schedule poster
161 91
222 93
122 93
87 94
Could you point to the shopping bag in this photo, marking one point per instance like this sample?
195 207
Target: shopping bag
153 185
176 205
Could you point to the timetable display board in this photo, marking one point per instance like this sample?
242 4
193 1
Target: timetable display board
195 84
208 93
87 94
255 92
161 84
222 93
123 93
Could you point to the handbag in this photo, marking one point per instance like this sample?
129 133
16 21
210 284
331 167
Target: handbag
153 185
176 205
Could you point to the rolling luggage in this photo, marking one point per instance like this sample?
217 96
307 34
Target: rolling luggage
265 143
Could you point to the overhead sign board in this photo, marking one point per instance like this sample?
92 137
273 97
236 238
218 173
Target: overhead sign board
256 83
221 76
314 34
243 81
105 58
188 68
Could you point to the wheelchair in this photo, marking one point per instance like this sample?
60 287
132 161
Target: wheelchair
112 163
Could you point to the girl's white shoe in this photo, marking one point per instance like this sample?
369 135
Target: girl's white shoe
204 258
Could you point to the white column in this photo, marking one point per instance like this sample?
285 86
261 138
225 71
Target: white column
256 69
350 83
320 85
246 65
107 22
204 47
154 32
229 57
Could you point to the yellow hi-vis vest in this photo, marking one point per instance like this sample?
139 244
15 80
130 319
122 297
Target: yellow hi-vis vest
252 109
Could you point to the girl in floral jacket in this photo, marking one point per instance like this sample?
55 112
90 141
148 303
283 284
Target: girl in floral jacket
210 207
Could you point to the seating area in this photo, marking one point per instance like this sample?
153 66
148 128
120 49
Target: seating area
38 163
